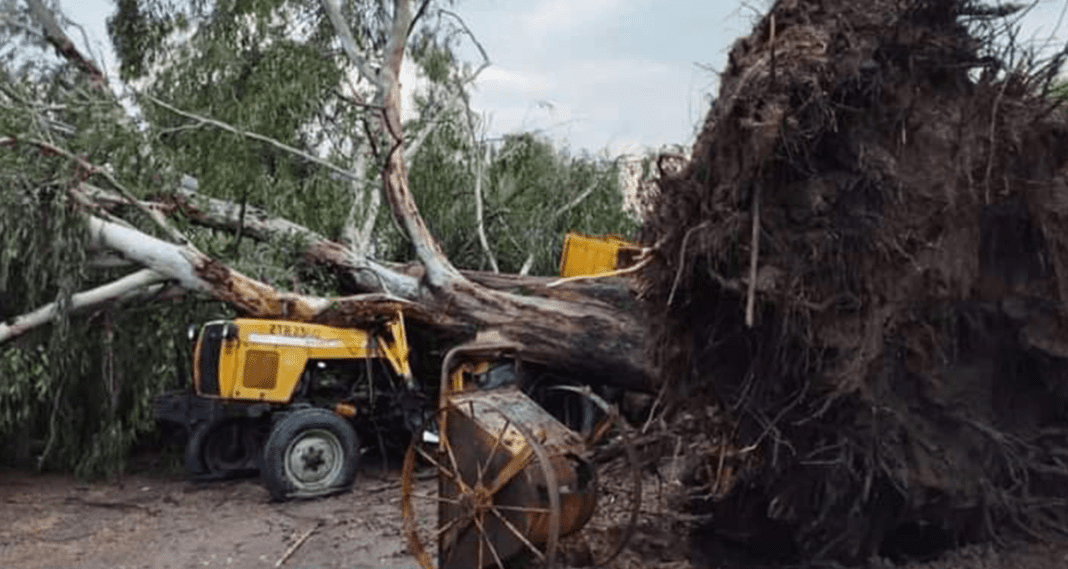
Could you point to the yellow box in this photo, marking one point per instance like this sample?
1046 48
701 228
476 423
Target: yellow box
585 255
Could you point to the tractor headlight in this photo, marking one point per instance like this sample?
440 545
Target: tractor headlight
191 332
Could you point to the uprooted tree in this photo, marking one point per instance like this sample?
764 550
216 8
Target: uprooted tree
865 264
136 218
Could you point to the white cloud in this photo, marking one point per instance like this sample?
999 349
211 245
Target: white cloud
563 15
498 79
619 104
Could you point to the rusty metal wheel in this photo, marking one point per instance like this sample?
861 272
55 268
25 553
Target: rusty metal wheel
603 537
489 506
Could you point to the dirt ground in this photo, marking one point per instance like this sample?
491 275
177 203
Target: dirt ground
155 520
162 522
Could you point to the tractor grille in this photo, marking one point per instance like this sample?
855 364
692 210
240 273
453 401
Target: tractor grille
210 350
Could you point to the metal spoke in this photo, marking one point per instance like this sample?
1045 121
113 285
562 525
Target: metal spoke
452 457
459 524
493 550
519 534
462 522
481 538
522 509
454 476
496 444
446 527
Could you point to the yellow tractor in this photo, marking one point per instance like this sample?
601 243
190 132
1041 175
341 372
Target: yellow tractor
291 400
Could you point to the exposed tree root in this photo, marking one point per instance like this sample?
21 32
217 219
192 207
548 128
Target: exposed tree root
908 344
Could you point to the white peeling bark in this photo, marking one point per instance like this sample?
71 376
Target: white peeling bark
161 256
366 201
193 270
55 35
113 291
366 234
440 272
348 42
479 221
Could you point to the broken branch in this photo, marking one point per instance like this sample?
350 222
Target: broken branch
296 545
109 292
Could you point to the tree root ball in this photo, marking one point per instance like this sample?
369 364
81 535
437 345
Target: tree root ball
866 260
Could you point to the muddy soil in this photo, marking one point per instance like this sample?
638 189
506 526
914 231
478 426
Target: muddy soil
156 520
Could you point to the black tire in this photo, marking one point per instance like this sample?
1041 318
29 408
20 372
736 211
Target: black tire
195 469
219 450
310 453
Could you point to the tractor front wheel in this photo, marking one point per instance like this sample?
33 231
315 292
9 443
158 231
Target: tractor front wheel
310 452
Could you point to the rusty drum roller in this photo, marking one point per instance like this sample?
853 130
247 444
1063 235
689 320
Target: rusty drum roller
512 480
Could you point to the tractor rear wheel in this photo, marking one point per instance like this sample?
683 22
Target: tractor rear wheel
221 449
309 453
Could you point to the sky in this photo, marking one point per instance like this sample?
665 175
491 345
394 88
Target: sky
602 76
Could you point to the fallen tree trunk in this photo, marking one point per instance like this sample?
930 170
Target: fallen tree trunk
129 285
589 338
586 326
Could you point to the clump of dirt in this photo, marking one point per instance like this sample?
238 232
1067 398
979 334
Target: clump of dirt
866 260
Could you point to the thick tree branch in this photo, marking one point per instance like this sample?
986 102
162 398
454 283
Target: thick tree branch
370 216
395 177
63 44
439 271
110 292
479 221
258 224
370 275
366 201
195 271
348 43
